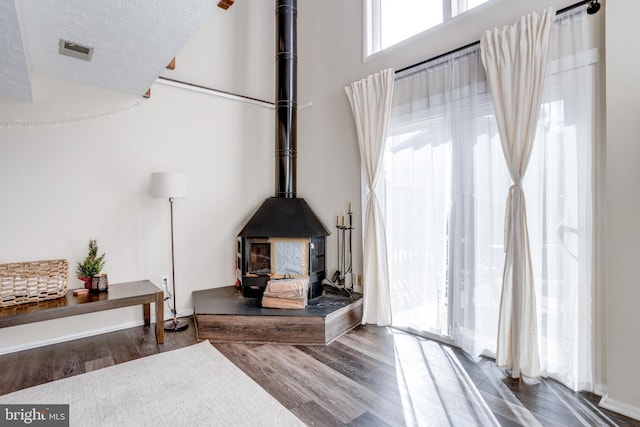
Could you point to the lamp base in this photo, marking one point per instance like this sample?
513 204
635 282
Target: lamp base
175 325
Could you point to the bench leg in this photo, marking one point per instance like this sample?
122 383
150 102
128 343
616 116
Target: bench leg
146 313
160 317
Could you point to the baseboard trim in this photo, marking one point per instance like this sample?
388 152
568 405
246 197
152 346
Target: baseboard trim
600 390
620 407
85 334
71 337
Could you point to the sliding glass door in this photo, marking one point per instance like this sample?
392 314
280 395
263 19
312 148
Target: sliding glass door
418 167
446 184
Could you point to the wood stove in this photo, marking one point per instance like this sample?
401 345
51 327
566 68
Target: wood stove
264 259
284 238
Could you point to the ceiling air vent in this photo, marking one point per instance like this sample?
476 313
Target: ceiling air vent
75 50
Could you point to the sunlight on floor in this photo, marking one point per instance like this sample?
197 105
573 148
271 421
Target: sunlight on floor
434 387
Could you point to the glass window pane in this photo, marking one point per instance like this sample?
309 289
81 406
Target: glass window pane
461 6
398 20
402 19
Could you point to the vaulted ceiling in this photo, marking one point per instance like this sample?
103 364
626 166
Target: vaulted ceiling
132 41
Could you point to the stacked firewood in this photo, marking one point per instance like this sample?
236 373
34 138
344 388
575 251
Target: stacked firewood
286 293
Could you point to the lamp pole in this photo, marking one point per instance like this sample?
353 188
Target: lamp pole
171 185
174 325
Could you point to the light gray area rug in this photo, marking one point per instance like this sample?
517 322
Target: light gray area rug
192 386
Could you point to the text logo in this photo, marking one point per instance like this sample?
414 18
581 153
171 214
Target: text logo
34 415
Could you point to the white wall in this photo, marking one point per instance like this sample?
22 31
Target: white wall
623 206
234 51
88 176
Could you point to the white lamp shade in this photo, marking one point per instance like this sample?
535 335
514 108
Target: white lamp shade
169 184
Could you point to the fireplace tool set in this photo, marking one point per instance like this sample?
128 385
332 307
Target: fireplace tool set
341 281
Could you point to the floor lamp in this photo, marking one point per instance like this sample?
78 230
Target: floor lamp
171 185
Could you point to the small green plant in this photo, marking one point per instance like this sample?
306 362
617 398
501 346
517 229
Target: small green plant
93 263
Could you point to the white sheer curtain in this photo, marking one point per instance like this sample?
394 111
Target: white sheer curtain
445 187
515 59
370 100
444 176
559 187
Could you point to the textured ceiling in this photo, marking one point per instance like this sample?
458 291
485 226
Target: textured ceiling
15 81
132 41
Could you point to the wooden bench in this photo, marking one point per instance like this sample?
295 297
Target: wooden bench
119 295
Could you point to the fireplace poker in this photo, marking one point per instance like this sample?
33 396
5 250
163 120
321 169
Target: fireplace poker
338 271
350 213
344 261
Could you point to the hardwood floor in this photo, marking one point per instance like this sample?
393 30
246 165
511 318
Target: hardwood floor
369 377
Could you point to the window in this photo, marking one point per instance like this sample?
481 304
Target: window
392 21
445 186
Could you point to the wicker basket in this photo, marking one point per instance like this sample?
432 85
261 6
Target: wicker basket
25 282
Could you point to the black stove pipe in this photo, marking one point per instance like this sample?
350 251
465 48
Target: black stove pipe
286 97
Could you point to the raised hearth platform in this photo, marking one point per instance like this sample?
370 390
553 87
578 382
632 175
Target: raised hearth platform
224 315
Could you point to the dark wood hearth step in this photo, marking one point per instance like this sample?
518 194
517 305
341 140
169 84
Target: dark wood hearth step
224 315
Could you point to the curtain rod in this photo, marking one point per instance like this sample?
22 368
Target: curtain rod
594 7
